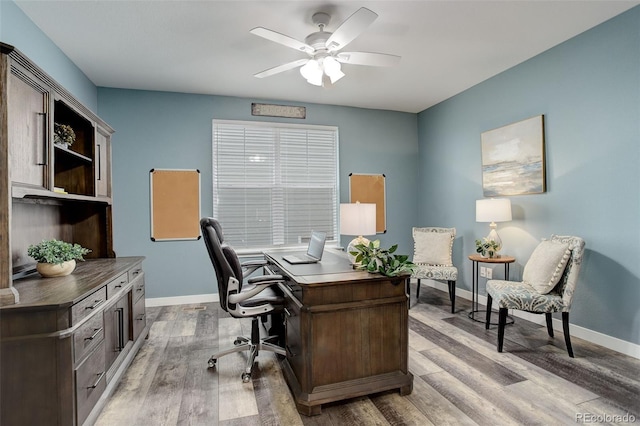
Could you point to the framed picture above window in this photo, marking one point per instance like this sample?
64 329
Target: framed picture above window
513 160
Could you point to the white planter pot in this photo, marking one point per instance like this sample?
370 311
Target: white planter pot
50 270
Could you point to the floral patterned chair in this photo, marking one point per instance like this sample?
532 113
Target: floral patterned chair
548 283
432 257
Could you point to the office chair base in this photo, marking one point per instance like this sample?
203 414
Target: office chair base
253 345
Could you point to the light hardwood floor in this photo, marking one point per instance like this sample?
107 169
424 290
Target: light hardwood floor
459 377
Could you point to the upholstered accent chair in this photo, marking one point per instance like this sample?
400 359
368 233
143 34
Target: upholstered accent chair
548 284
432 256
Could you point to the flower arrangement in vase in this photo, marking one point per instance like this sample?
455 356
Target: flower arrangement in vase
487 248
374 259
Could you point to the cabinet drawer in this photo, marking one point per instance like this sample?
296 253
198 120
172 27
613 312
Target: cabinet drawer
90 383
138 289
88 337
139 318
116 285
293 336
88 305
134 272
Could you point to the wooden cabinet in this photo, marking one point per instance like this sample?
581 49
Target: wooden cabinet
64 342
66 190
27 123
64 347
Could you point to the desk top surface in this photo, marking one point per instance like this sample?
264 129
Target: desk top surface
333 268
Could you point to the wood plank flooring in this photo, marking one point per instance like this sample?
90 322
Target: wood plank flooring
459 377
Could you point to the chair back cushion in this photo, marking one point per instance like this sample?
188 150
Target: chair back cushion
433 246
546 265
219 255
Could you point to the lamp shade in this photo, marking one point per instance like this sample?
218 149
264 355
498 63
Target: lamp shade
493 210
358 219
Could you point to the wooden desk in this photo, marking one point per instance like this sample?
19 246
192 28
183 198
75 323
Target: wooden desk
346 331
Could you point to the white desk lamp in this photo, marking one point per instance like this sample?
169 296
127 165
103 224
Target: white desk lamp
493 210
357 219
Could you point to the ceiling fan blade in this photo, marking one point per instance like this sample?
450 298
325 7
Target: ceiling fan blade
350 29
282 39
367 58
281 68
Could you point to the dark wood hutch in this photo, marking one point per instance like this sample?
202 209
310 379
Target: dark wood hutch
64 342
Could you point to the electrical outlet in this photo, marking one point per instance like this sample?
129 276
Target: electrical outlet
483 271
489 273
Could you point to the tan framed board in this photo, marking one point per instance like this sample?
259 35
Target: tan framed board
370 189
175 204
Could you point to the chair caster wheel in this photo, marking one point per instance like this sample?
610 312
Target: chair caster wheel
212 362
246 377
237 342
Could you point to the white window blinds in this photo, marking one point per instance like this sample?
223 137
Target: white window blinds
273 183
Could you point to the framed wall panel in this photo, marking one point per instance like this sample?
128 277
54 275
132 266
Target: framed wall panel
370 189
175 204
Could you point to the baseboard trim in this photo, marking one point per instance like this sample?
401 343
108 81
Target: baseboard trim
182 300
609 342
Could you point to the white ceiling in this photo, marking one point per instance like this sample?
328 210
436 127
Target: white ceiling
205 46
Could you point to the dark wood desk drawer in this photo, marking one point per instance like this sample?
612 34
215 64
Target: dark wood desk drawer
90 382
88 305
87 337
116 285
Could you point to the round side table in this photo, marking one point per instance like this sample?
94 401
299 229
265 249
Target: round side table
476 259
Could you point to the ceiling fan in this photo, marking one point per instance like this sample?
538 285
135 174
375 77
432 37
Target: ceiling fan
323 66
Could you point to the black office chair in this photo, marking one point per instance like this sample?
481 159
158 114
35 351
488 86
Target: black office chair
256 300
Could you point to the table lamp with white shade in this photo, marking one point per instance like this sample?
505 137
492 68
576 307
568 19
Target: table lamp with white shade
357 219
493 210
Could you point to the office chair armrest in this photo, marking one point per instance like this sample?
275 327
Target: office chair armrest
249 293
265 278
250 266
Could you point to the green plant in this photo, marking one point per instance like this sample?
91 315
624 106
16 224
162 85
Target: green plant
374 259
55 251
63 134
487 247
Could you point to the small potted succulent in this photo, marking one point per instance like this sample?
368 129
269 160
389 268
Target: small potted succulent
374 259
487 248
56 258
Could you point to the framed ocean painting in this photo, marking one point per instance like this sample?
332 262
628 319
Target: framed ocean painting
513 159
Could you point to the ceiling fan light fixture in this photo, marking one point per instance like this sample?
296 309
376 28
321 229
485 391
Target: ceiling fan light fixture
332 69
312 72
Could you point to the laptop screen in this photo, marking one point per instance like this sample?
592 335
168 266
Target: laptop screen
316 244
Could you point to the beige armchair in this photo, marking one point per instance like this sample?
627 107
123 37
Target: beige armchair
548 283
432 257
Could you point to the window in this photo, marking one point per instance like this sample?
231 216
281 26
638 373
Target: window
274 183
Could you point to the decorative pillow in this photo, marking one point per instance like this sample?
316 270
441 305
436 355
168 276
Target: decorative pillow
433 248
546 265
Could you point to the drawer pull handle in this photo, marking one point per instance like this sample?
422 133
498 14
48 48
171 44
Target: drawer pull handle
139 289
95 304
95 385
140 317
118 286
136 272
95 334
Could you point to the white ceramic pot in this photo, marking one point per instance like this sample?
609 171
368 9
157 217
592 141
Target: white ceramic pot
50 270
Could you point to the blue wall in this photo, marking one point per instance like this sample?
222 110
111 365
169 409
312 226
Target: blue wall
588 89
172 130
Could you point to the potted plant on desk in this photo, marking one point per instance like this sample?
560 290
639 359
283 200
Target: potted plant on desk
56 258
374 259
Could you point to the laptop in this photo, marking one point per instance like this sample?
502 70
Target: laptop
314 250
